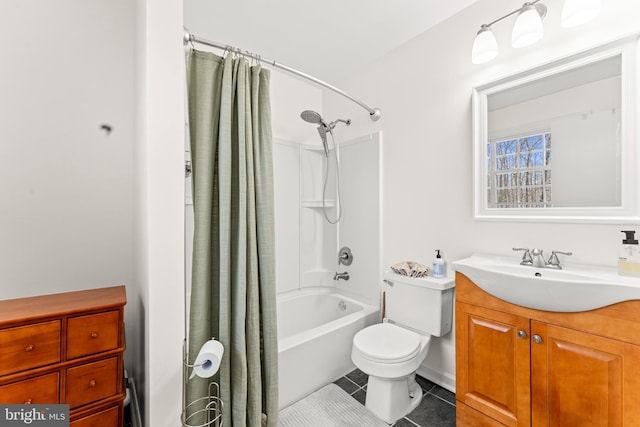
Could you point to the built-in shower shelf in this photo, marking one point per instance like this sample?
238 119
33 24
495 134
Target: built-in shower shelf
317 203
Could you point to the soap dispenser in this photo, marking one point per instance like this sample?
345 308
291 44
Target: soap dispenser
629 255
438 266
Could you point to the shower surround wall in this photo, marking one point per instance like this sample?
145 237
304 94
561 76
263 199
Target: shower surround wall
304 240
319 309
306 244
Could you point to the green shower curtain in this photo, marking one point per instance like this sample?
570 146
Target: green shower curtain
233 275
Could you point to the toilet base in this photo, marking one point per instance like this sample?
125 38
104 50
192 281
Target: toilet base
392 399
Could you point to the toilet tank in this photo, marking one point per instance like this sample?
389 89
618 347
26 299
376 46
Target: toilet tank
423 304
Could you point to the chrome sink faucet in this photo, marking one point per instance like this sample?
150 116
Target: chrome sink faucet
554 262
538 258
526 257
535 258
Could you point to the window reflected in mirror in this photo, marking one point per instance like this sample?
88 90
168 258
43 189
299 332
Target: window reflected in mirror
581 109
520 171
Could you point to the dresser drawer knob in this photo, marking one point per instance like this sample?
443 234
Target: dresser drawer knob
29 348
28 401
92 383
94 335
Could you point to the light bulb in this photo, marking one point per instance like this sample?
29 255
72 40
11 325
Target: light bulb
577 12
485 46
528 28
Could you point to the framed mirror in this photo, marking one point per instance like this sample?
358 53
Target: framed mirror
559 142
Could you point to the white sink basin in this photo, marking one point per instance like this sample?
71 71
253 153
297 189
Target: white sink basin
574 288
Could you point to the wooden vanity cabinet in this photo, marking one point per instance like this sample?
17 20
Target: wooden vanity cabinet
66 348
522 367
492 364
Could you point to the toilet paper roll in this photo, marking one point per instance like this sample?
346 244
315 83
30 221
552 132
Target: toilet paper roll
208 360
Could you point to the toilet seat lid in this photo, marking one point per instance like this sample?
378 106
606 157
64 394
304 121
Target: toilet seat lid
387 343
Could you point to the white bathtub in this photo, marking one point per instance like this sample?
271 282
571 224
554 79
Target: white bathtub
315 332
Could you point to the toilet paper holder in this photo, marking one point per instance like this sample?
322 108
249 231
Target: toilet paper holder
207 362
210 406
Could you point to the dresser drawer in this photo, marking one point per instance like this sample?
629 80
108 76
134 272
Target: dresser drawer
38 390
91 381
92 334
27 347
107 418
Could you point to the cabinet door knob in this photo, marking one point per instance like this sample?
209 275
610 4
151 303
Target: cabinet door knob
94 335
92 383
29 348
522 334
537 339
28 401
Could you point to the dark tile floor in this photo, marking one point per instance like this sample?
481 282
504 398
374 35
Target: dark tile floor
437 409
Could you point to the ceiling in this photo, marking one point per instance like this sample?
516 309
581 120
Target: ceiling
328 39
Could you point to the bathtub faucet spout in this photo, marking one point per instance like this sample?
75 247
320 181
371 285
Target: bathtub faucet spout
343 276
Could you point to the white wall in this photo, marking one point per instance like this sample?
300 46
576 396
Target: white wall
424 91
82 208
160 208
66 186
289 97
67 199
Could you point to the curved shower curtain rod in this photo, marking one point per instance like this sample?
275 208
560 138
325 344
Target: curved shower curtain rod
374 113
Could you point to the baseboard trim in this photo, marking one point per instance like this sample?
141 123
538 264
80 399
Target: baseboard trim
443 379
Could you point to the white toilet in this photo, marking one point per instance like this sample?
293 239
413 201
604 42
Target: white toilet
391 352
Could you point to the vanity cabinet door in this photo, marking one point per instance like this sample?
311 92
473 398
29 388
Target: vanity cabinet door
582 379
493 364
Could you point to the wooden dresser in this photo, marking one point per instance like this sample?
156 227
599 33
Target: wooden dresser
66 348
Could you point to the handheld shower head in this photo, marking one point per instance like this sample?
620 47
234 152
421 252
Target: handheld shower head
315 118
323 127
322 130
312 117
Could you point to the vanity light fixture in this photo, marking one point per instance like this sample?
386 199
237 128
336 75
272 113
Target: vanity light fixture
485 46
528 27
